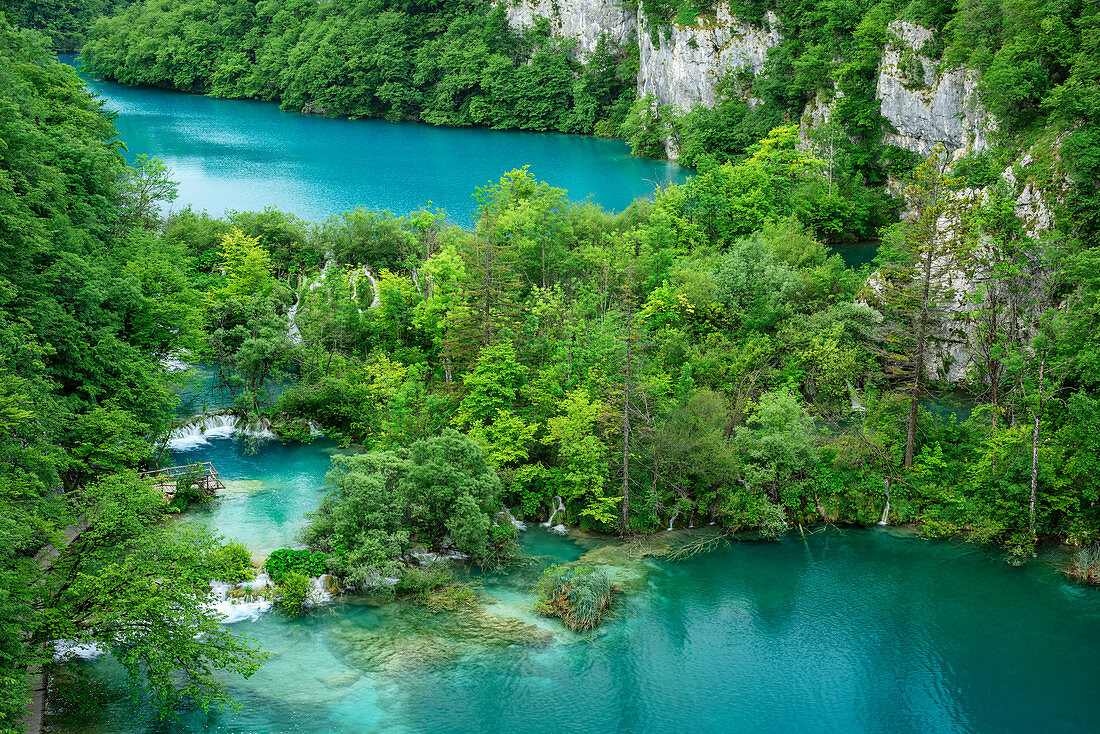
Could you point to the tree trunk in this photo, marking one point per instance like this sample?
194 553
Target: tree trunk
1035 449
626 437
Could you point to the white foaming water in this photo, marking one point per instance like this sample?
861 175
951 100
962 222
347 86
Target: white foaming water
373 287
261 582
292 331
673 518
199 432
68 649
233 610
175 364
250 606
560 529
506 514
886 510
559 506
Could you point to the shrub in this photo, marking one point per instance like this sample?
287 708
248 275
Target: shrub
435 587
579 595
285 560
232 563
292 593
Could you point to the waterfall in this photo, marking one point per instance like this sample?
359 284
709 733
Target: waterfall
173 363
886 510
253 598
318 590
248 607
292 331
506 514
673 518
558 506
68 649
857 406
376 300
199 430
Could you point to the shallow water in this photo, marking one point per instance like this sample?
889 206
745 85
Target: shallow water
247 155
855 630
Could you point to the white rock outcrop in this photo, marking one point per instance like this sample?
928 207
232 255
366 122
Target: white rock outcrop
584 20
926 105
687 64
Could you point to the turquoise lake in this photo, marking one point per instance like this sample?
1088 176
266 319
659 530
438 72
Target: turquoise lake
246 155
850 630
838 630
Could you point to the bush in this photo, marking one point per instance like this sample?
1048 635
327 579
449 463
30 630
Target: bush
579 595
292 593
189 489
435 587
232 563
286 560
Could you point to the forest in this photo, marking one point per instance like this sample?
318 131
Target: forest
700 357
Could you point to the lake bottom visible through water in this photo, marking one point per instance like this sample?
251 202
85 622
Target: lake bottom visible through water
832 630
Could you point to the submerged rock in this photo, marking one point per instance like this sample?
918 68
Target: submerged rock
418 640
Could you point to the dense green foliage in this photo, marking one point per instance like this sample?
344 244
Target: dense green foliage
286 560
89 305
448 63
64 23
437 495
292 592
712 332
700 356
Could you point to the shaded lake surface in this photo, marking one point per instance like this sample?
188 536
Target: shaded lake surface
853 630
247 155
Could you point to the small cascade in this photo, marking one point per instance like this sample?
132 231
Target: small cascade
247 600
69 649
319 590
245 607
199 430
857 405
376 299
559 506
505 515
173 363
672 519
292 331
886 510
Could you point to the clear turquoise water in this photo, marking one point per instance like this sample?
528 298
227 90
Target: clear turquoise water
854 631
862 630
245 155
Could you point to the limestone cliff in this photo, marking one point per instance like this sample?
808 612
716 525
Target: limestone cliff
925 103
928 105
684 68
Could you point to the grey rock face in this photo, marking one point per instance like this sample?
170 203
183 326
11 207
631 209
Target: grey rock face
926 105
584 20
684 68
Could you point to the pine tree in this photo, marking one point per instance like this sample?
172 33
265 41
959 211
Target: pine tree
919 262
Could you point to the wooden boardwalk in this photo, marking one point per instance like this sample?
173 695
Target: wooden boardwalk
203 476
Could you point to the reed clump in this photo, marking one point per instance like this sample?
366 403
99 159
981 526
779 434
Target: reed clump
579 595
1086 564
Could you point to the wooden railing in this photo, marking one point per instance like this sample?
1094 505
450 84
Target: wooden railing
167 478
